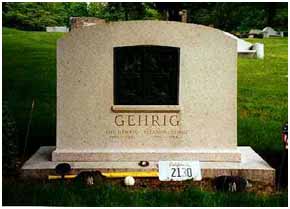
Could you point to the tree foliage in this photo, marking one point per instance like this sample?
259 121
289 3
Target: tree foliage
123 11
30 16
238 16
36 16
229 16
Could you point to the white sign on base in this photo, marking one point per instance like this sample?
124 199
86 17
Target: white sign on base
179 170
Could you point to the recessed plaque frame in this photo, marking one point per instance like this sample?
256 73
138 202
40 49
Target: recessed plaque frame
146 75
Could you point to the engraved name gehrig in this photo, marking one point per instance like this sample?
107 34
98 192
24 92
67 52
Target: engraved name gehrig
147 120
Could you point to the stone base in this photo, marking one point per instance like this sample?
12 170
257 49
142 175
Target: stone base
204 155
252 166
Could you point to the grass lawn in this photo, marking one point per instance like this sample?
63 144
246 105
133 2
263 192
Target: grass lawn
29 72
75 193
263 97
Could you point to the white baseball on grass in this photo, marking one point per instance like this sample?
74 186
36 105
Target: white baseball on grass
129 181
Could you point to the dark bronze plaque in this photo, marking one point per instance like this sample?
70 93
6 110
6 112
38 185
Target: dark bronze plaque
146 75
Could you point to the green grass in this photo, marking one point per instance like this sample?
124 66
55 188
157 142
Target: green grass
76 194
29 72
263 97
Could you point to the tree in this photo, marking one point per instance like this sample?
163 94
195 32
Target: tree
275 13
114 11
169 10
238 16
36 16
225 16
30 16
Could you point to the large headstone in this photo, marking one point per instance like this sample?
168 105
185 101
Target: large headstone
146 90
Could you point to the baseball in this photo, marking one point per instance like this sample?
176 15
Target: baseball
129 181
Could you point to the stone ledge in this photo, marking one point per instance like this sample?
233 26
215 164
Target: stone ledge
146 108
210 155
252 166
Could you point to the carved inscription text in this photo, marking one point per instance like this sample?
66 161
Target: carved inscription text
146 120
